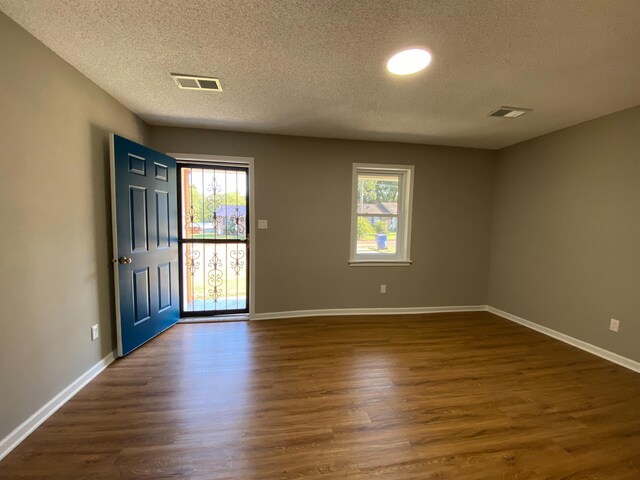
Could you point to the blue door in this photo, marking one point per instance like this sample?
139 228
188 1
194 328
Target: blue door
145 238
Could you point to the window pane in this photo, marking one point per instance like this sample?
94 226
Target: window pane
214 203
378 194
377 235
214 276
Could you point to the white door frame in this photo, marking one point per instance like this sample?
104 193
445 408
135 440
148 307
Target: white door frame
244 162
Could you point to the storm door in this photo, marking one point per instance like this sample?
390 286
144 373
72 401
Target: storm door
213 240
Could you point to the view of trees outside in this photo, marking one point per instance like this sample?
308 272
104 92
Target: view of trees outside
214 207
377 211
214 204
202 214
377 189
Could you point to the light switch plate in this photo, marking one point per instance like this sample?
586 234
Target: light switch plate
263 224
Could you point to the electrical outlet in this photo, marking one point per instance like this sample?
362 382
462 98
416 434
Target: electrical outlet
383 289
614 326
95 332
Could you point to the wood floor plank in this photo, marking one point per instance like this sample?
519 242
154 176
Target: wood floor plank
444 396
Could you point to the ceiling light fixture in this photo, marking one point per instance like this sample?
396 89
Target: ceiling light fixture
409 61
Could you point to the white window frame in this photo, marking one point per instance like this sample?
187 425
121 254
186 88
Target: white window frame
405 203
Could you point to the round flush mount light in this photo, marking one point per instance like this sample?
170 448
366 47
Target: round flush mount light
409 61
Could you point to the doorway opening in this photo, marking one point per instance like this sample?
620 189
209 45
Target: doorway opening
213 239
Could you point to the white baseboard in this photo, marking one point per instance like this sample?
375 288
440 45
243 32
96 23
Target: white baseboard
365 311
23 430
587 347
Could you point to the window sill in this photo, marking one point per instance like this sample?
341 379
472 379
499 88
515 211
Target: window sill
380 263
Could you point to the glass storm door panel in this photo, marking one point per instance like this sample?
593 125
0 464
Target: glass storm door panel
145 240
214 240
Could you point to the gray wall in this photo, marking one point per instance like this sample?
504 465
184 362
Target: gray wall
566 231
56 228
303 188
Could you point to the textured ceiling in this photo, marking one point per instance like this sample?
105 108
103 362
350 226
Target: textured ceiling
317 67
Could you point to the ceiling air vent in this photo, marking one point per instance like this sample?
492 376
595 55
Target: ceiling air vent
509 112
192 82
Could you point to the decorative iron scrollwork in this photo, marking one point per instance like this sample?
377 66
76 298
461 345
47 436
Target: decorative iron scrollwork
238 222
190 260
190 218
236 262
215 278
214 201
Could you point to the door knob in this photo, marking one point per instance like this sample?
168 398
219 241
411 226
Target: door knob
124 260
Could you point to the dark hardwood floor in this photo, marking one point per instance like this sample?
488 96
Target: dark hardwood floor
446 396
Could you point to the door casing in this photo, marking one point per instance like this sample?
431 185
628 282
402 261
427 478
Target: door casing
245 162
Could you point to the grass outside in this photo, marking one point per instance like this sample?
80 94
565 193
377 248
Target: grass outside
207 283
371 246
213 236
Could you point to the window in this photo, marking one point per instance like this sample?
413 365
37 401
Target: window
381 214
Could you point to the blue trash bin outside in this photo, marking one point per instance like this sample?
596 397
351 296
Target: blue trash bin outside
381 241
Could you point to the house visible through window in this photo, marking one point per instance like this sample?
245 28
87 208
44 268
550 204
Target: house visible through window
381 214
